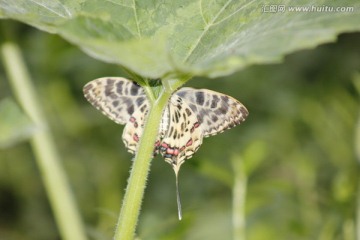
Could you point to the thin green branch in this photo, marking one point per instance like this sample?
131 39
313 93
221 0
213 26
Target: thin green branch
357 151
358 210
53 176
130 210
172 84
149 93
239 198
356 81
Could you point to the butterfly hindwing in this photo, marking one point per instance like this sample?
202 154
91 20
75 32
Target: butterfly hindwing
183 135
215 111
133 131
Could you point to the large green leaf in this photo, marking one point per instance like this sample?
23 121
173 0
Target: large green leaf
211 38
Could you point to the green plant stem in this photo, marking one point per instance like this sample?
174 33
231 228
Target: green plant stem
53 176
130 209
239 197
357 227
357 152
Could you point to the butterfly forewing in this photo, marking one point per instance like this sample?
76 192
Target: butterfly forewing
124 102
215 111
117 98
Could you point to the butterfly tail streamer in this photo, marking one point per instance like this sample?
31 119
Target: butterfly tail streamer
178 196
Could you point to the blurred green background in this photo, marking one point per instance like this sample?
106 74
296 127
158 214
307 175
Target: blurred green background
296 152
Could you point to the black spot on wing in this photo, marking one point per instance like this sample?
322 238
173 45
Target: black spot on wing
221 111
171 130
113 96
199 98
244 111
181 94
130 109
115 103
143 108
119 87
139 101
214 118
88 87
188 112
108 89
201 115
110 81
214 102
134 89
176 117
224 99
193 107
224 106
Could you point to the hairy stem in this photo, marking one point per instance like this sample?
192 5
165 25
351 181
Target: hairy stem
53 176
130 209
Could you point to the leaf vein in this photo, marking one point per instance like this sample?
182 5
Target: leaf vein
232 14
136 18
68 13
198 41
119 4
202 13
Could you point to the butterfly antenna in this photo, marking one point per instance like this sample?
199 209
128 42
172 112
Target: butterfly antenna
178 196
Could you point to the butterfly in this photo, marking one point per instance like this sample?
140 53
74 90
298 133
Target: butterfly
190 115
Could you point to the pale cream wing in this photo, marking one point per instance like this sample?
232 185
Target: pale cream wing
183 135
124 102
215 111
118 98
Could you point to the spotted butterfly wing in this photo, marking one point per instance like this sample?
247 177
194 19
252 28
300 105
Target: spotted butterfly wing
183 136
124 102
215 111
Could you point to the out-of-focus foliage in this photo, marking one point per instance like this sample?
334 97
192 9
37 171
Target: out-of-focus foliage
298 147
15 126
159 39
